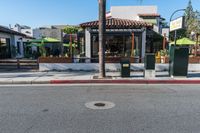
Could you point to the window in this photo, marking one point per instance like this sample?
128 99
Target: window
5 48
116 45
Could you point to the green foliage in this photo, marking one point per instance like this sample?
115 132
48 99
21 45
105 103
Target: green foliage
192 24
164 52
71 29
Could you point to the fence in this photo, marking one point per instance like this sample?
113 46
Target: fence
19 64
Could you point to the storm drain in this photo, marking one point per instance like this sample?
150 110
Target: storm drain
100 105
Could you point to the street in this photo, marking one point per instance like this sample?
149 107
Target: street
138 109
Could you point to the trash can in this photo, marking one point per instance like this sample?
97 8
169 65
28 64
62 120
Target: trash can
125 67
149 65
178 61
149 61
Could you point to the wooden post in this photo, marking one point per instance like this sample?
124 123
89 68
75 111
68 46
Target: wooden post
70 37
164 41
18 64
133 44
102 29
197 38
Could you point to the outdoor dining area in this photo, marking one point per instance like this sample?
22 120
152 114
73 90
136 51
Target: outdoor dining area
162 56
48 47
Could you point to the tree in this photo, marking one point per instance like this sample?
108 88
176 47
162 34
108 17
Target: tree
191 20
102 29
192 24
71 30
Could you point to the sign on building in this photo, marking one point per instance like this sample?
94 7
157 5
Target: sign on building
177 24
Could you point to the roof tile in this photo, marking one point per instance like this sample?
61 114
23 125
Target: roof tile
117 23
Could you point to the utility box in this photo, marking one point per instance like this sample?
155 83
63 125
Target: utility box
149 65
178 61
125 67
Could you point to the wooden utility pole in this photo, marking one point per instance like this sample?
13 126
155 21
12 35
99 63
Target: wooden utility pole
197 38
102 29
133 45
164 41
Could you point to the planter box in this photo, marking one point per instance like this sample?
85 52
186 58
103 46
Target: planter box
54 60
164 59
118 59
112 59
194 59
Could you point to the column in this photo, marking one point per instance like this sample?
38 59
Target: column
88 44
143 44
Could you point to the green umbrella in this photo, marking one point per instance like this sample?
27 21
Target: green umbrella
184 41
68 45
46 40
34 44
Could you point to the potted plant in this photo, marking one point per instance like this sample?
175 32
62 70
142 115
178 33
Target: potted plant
136 55
164 55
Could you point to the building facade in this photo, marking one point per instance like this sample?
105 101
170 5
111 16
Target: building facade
139 13
12 43
131 31
51 32
124 38
23 29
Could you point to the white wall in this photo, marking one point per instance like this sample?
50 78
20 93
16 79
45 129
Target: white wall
109 67
88 43
17 38
131 12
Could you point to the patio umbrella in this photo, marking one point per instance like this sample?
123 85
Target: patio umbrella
184 41
46 40
68 45
34 44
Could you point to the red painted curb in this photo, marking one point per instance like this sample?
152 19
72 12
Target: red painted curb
125 81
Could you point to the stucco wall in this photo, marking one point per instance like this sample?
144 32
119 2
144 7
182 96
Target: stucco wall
53 33
109 67
131 12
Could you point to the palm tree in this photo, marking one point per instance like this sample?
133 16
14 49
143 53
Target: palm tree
102 29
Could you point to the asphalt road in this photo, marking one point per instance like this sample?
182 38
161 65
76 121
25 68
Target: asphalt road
138 109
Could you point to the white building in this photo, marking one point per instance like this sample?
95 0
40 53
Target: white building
139 13
131 31
23 29
12 43
52 32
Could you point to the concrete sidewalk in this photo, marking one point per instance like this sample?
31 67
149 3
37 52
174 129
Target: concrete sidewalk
75 77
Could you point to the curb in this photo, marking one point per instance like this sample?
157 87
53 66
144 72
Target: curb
142 81
103 81
10 82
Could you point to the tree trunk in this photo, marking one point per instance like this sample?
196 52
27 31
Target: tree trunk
71 52
102 29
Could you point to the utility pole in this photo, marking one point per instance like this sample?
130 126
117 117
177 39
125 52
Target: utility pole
102 29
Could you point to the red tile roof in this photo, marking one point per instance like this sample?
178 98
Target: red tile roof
117 23
149 15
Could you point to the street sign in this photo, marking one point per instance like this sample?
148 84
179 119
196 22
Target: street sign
177 24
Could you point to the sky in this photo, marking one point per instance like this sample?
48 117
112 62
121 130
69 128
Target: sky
36 13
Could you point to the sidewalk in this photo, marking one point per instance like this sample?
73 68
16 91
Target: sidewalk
77 77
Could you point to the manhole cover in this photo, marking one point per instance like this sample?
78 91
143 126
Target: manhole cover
100 105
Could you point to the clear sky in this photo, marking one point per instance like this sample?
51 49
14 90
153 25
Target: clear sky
37 13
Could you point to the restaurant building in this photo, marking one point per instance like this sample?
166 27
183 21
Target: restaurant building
124 38
131 31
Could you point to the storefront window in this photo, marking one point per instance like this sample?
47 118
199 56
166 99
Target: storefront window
116 45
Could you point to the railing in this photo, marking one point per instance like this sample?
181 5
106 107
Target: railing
19 64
